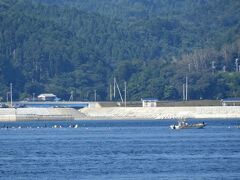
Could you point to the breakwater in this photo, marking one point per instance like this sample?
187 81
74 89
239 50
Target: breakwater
111 113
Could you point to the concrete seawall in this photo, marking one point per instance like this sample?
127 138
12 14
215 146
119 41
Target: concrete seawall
110 113
11 114
199 112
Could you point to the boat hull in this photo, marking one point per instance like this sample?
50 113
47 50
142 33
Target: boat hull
191 126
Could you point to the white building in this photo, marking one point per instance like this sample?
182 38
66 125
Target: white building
47 97
231 102
149 102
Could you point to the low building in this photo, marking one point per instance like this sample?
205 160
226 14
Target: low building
47 97
52 104
231 102
149 102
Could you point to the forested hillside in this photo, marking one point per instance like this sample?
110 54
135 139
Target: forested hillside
75 46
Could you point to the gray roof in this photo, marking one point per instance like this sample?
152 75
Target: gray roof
47 95
231 100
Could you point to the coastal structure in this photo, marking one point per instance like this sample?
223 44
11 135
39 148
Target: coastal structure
25 114
159 113
111 113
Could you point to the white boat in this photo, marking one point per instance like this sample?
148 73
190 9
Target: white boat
75 126
182 124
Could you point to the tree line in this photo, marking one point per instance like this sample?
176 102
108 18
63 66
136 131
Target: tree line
78 46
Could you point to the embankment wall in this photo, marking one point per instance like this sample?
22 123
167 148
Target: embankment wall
222 112
12 114
110 113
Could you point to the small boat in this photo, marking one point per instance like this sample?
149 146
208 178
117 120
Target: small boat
56 126
182 124
73 126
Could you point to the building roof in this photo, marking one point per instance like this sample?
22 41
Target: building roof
47 104
231 100
46 95
149 99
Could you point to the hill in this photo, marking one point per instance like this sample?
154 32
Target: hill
63 46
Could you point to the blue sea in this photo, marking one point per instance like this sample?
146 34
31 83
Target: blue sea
119 150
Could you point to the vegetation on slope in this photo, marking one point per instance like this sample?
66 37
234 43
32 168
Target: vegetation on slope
64 46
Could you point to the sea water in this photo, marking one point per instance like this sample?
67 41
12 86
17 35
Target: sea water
119 150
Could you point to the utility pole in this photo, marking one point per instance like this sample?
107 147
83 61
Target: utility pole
186 88
95 95
183 92
110 90
125 93
11 96
114 88
119 92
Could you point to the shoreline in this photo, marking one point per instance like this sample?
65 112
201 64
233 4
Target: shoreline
120 113
119 119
